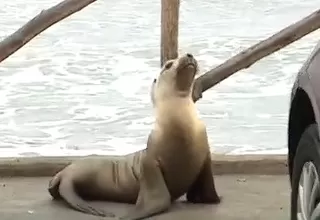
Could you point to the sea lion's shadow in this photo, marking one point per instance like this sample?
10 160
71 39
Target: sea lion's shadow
120 209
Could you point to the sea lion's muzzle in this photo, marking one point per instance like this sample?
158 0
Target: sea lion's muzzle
188 64
183 69
186 70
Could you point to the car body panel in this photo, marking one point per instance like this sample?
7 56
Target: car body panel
304 111
308 80
313 73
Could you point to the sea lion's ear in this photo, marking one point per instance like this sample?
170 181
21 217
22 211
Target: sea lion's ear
168 65
152 91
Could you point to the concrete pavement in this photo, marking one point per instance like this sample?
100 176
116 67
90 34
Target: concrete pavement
245 197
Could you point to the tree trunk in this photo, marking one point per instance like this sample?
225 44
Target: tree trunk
256 52
38 24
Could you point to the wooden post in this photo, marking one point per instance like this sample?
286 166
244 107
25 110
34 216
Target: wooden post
169 30
38 24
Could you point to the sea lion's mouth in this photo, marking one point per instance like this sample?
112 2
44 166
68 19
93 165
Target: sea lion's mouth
190 67
188 63
186 71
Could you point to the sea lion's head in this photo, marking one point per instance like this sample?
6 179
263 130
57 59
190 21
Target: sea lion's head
175 79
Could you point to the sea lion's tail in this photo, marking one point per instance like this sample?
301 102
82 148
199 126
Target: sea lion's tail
67 191
53 187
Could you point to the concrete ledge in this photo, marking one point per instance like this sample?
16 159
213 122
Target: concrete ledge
222 164
250 164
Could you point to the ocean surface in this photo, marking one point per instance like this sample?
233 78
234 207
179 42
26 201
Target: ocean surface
82 86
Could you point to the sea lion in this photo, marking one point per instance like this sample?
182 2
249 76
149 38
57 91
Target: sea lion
176 161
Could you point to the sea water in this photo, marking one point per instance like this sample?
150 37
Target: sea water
82 86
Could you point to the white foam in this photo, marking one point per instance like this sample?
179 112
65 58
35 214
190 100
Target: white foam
27 75
3 98
94 111
144 123
83 77
264 115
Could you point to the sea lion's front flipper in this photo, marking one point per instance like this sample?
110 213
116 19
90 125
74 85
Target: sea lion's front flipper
67 191
203 190
154 196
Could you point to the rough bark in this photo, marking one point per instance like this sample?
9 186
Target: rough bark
38 24
256 52
169 30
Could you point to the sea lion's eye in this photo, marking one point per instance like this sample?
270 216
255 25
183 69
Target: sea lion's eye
168 65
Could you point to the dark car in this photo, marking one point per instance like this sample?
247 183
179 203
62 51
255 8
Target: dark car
304 141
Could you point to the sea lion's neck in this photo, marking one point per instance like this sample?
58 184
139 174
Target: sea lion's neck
175 107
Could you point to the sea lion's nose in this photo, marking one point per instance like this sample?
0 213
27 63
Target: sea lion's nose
189 55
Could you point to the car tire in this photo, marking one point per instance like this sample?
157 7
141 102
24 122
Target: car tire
306 161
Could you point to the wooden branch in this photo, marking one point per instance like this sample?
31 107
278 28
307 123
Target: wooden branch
256 52
169 30
38 24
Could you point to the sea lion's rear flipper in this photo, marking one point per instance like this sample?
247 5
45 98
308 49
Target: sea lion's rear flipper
67 191
154 197
53 187
203 190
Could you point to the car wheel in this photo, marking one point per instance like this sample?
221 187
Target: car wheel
305 193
